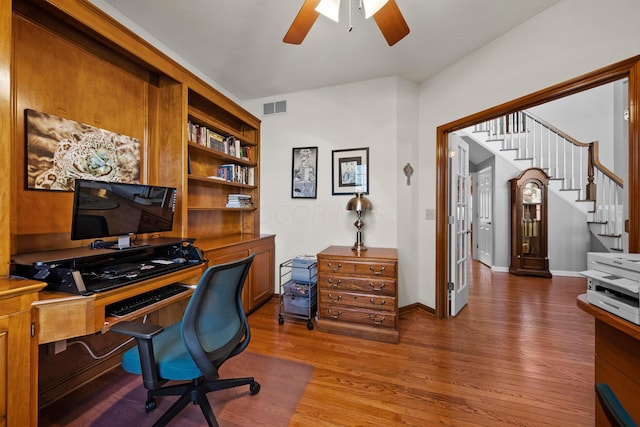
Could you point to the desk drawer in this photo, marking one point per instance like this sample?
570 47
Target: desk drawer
355 284
368 302
348 268
380 319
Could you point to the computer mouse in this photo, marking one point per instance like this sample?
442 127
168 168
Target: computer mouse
179 260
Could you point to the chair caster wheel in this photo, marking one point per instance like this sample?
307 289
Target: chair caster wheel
254 387
150 405
280 320
310 326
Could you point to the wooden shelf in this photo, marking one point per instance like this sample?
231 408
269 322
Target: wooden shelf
220 155
204 119
213 208
206 180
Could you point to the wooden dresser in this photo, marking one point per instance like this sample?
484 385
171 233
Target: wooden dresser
358 292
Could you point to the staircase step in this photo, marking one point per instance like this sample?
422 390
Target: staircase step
615 236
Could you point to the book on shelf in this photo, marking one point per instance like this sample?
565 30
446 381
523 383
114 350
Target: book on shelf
237 173
239 201
209 138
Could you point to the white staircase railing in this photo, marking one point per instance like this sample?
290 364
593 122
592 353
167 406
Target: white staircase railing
575 164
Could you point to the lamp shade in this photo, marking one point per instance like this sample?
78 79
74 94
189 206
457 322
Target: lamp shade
359 203
330 9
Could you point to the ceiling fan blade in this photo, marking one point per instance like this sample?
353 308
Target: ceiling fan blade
302 23
391 22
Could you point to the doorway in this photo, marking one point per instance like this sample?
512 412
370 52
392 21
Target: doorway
626 69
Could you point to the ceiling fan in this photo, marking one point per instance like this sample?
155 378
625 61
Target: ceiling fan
385 12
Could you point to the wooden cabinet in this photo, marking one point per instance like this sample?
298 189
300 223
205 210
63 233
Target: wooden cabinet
358 292
260 282
529 254
18 353
617 358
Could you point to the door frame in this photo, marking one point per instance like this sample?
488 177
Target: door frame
629 68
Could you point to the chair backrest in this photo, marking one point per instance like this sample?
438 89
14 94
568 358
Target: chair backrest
214 327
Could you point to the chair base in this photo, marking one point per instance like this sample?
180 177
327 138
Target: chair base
195 392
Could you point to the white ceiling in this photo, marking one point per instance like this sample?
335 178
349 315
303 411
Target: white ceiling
238 43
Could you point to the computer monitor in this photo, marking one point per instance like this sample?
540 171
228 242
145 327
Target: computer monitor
109 209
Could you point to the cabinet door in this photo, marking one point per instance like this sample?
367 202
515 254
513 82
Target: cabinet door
261 276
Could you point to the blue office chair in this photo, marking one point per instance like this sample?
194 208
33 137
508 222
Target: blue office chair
613 409
214 328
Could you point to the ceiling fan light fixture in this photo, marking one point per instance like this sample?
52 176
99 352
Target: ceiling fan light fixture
371 7
330 9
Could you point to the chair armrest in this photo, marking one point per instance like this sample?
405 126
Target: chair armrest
143 333
136 329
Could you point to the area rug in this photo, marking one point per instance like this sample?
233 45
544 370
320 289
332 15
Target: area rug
118 398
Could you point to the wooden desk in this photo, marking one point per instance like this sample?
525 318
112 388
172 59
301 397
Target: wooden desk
62 316
617 358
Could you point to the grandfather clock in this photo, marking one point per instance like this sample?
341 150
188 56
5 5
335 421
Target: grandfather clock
529 252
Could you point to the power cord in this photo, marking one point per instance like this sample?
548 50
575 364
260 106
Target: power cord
118 347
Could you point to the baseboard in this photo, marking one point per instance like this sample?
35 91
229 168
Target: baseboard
416 306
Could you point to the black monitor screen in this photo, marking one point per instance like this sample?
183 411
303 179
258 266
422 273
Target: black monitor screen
105 209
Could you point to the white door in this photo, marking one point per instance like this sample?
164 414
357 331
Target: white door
483 230
459 197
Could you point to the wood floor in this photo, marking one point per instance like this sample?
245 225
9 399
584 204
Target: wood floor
520 354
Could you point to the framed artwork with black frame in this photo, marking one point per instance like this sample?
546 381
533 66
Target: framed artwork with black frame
304 183
350 171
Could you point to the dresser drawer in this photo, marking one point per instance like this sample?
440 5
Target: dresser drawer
378 319
355 284
360 268
369 302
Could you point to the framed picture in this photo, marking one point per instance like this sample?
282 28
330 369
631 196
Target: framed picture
350 171
303 173
60 150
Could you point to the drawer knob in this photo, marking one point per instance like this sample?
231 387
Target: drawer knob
335 299
334 316
373 301
336 268
376 321
377 273
336 284
376 289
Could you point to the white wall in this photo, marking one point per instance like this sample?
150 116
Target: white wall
380 114
565 41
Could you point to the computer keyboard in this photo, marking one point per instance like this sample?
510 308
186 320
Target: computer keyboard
129 305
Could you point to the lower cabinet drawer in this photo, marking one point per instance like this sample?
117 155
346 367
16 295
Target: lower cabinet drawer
381 319
353 300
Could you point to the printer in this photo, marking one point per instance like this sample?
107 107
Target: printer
613 281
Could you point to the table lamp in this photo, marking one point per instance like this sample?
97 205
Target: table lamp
360 204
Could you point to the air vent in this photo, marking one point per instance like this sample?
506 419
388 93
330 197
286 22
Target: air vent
277 107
